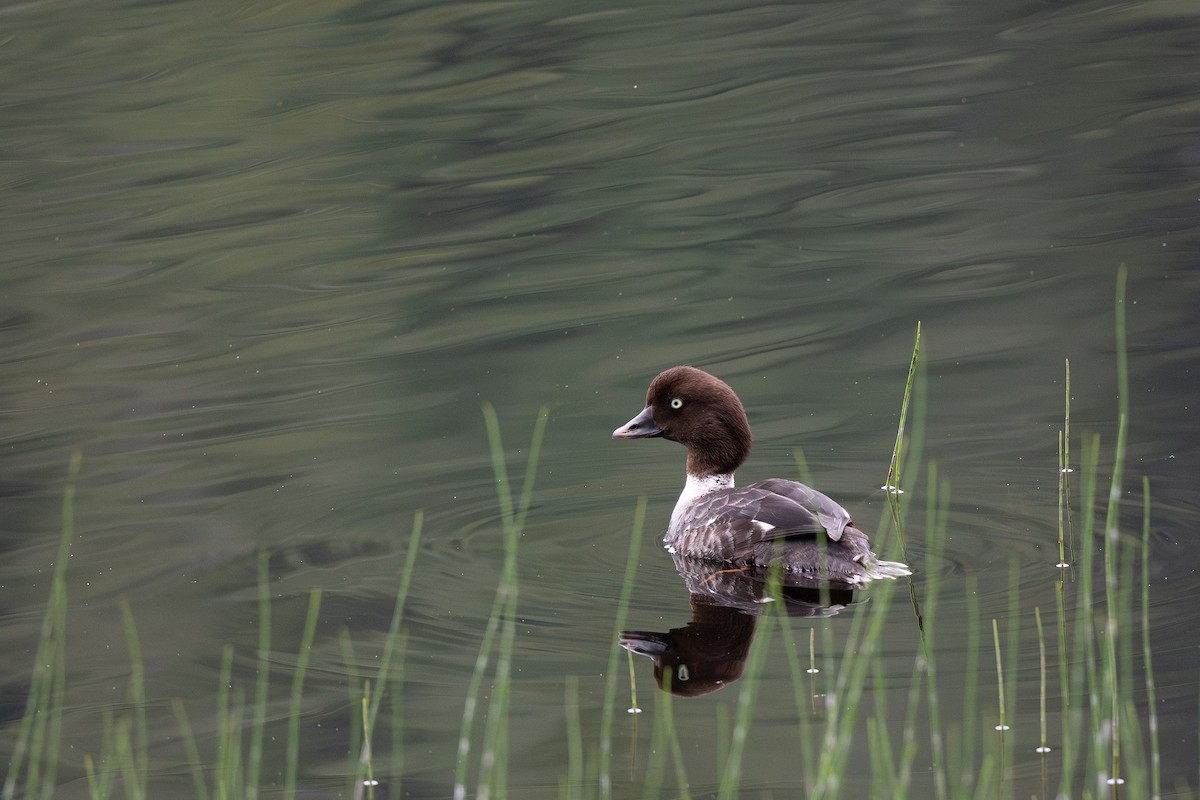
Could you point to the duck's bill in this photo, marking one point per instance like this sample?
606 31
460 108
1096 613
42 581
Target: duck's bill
640 427
644 643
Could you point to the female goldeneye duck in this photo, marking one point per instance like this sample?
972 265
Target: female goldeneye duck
751 525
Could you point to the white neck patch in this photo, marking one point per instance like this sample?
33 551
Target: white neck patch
695 488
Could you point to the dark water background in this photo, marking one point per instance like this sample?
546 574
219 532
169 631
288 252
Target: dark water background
263 263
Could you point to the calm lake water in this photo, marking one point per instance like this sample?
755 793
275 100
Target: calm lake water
264 263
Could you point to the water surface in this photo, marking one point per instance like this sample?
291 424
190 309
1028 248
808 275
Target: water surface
263 265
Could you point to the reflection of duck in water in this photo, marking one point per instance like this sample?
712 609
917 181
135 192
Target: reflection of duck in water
752 525
710 650
703 655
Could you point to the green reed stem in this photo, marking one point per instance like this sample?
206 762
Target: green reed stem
936 514
1151 694
574 787
841 704
971 673
493 758
610 675
1062 476
126 758
396 786
803 692
199 786
365 758
1112 527
894 467
802 466
293 737
731 771
1083 658
262 677
226 743
999 674
1041 634
137 698
652 782
668 712
1064 683
634 708
35 751
1066 465
903 782
394 641
501 620
880 749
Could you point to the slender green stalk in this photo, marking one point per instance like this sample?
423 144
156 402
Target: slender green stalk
903 781
126 758
1083 674
100 778
354 728
634 708
189 745
672 736
1066 465
937 511
262 678
653 779
884 782
971 672
137 697
237 718
492 758
393 642
1062 477
574 785
1067 715
225 741
841 704
58 693
802 466
472 700
1013 653
502 616
999 674
1151 694
804 693
1041 633
396 785
1112 531
892 485
42 719
366 760
731 771
610 676
293 738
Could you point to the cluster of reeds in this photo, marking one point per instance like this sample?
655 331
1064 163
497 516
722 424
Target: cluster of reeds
1101 733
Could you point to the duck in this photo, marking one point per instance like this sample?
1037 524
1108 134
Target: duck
746 527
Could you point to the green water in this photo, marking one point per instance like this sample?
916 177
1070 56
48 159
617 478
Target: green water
263 264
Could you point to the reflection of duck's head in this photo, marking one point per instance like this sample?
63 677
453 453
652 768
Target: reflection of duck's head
702 656
770 520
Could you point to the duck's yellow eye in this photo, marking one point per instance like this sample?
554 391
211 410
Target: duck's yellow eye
677 403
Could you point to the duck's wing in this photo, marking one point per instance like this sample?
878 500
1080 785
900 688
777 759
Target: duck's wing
778 509
792 507
734 524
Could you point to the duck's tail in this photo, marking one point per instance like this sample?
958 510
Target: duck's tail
885 569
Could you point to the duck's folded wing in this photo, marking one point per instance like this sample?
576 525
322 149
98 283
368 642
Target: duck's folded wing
733 524
792 508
